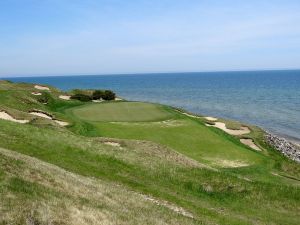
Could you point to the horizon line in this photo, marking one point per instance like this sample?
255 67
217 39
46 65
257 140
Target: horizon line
147 73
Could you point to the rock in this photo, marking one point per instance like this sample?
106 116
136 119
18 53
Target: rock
285 147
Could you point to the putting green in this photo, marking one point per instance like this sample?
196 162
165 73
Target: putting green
121 112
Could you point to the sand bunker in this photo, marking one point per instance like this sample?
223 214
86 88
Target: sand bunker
222 126
39 87
115 144
118 99
36 93
97 100
41 114
46 116
61 123
65 97
6 116
250 143
210 118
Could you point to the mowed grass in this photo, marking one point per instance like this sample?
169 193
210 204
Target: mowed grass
121 111
181 133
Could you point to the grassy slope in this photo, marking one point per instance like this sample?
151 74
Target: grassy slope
211 196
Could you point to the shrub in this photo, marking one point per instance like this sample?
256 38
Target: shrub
97 94
44 98
81 97
109 95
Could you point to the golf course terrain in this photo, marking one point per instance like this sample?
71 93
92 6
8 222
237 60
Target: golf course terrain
65 161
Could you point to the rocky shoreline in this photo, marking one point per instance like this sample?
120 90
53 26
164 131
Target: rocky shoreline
284 146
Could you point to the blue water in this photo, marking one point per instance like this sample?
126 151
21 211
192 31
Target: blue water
269 99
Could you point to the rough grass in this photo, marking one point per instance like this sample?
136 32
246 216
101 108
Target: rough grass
121 111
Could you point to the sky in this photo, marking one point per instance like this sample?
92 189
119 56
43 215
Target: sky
75 37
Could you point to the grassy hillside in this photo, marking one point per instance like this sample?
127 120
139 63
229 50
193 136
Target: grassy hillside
117 164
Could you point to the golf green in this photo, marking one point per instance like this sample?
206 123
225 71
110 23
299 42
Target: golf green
121 112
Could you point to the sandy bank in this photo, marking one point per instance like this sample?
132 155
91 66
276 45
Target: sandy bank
5 116
46 116
222 126
210 118
36 93
40 114
39 87
250 143
65 97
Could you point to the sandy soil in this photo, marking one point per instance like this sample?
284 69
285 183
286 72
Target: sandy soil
250 143
210 118
222 126
39 87
65 97
36 93
6 116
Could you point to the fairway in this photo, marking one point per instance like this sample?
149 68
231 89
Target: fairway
121 112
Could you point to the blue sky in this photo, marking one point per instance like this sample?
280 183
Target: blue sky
61 37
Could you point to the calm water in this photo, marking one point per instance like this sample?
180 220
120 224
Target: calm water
270 99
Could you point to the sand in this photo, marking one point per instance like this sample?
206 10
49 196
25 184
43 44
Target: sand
40 114
222 126
46 116
250 143
210 118
65 97
97 101
36 93
62 123
118 99
39 87
6 116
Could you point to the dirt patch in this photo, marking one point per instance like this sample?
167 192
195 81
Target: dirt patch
250 143
39 87
5 116
222 126
65 97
